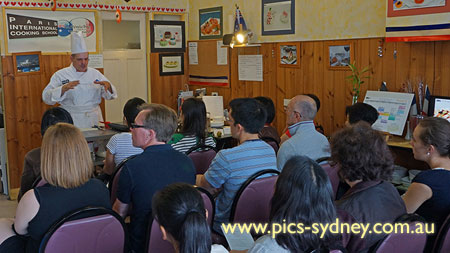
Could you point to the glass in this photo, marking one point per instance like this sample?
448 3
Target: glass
134 125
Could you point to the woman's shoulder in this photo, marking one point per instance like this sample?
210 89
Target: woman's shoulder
176 138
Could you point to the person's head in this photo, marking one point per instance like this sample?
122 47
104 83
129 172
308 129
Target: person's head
247 115
360 112
303 194
300 108
180 211
269 107
316 100
362 153
131 109
53 116
65 157
431 138
193 114
154 123
80 61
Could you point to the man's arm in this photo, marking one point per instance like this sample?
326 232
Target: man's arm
202 182
120 208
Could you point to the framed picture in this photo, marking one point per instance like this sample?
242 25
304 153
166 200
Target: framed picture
210 23
340 55
167 36
278 17
289 54
27 63
171 64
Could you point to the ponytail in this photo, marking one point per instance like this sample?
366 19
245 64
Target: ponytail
194 234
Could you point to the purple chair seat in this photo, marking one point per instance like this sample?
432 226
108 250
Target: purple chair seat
103 232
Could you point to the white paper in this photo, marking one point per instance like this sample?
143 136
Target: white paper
393 109
238 240
221 54
250 67
95 61
214 106
193 54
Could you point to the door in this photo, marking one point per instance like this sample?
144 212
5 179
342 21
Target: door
124 60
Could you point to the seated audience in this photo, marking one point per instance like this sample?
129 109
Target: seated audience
302 195
181 214
428 195
155 168
361 112
66 165
120 146
32 162
193 127
268 130
305 139
366 164
231 167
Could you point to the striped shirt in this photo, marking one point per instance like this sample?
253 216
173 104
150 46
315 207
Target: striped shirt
231 167
183 143
121 146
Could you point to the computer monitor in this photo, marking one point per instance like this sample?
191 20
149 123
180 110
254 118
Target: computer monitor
439 107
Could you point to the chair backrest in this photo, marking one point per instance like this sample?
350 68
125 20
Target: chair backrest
332 172
442 243
102 231
404 242
272 142
202 156
114 183
208 201
38 182
252 200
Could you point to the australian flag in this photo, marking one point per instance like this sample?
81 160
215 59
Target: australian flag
239 22
413 110
383 86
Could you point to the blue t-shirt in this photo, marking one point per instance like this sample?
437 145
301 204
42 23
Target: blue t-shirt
231 167
437 207
144 175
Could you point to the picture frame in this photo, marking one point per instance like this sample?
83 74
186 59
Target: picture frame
210 25
340 54
27 63
289 54
171 64
277 17
167 36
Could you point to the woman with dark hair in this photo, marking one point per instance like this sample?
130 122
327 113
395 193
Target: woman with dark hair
180 211
32 162
366 164
428 195
120 146
268 130
303 194
193 126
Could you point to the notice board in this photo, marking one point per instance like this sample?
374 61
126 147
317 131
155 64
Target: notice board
208 63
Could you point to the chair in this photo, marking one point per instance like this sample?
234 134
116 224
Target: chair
202 158
252 200
403 242
442 243
210 205
332 172
38 182
102 231
114 183
272 142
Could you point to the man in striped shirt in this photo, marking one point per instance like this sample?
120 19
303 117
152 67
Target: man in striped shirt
232 167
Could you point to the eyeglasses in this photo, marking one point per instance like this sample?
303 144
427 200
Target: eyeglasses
134 125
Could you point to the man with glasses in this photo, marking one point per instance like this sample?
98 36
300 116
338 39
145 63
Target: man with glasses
305 139
158 166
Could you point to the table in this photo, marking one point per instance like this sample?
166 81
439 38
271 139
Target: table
97 135
403 155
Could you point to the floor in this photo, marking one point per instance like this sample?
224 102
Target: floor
7 207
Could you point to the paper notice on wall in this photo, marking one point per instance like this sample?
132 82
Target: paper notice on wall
250 67
95 61
193 53
222 53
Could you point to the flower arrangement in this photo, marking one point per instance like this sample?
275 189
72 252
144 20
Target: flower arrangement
357 77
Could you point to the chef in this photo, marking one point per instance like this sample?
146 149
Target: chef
78 88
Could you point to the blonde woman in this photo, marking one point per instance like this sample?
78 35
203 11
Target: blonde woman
67 166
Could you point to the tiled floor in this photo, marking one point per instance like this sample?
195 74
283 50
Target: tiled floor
7 207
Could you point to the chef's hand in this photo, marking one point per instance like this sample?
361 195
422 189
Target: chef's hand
69 86
105 84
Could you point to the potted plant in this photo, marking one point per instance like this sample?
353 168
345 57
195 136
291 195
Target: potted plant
357 77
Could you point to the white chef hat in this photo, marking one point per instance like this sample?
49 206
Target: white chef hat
78 43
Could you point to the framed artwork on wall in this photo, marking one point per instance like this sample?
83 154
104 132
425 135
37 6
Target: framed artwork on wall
210 23
277 17
289 54
167 36
27 63
171 64
340 54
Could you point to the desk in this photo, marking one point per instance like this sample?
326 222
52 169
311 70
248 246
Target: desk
97 135
403 155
